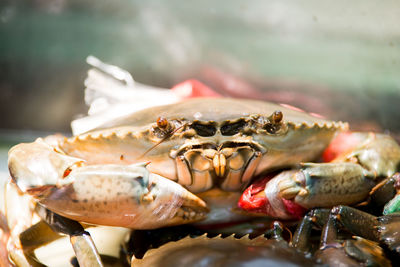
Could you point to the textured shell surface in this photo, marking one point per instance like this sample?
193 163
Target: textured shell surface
217 251
214 109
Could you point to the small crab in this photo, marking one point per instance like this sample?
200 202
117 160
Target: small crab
204 160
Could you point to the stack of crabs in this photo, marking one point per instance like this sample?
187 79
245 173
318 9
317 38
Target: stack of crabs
215 164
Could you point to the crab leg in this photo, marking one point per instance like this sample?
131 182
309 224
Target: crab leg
382 229
82 243
345 181
362 249
110 194
19 213
301 238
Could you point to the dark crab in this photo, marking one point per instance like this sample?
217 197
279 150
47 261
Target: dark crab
227 251
260 251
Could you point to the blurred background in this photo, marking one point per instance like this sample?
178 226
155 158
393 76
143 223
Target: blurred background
340 59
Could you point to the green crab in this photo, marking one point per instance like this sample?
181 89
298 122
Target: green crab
204 160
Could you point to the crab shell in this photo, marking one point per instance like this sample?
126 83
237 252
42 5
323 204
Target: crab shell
229 251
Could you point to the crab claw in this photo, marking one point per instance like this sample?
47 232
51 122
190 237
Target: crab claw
127 196
263 198
290 193
110 194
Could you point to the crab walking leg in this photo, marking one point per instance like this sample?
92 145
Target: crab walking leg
301 237
382 229
114 195
359 250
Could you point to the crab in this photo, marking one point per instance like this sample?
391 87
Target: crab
274 251
204 160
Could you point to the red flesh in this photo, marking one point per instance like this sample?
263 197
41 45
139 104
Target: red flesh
254 200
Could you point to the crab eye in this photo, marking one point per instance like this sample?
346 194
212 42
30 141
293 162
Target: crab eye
274 124
162 123
277 116
163 128
232 128
204 129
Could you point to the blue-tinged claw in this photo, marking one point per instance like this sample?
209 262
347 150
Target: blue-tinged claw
392 206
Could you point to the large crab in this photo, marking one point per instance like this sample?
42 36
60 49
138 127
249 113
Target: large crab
191 162
205 160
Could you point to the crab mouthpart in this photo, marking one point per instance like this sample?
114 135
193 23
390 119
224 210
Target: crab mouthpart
219 163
